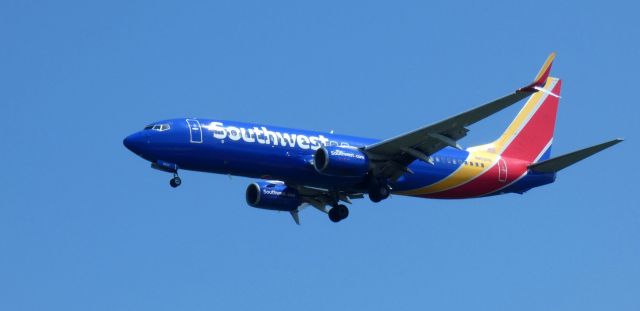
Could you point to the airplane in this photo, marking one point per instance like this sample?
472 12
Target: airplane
299 168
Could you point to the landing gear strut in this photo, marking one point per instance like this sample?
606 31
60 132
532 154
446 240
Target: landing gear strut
175 181
338 213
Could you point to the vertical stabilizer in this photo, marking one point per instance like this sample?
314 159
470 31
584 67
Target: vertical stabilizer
530 134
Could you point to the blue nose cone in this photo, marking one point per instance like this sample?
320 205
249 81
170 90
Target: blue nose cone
127 142
134 142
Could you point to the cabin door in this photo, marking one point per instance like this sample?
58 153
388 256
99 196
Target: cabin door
502 170
195 131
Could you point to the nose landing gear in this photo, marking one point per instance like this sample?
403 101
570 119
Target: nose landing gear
175 181
169 168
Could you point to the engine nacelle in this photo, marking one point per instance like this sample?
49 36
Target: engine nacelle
340 161
272 196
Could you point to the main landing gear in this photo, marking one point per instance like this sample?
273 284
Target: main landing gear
379 192
338 213
175 181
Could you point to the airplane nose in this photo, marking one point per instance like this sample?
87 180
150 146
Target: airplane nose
134 142
127 142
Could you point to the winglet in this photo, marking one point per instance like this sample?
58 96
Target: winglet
541 77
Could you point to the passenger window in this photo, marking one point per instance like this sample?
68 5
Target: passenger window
482 164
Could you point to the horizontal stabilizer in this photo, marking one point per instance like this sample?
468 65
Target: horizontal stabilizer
558 163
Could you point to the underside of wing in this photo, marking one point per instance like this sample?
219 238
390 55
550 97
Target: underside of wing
320 198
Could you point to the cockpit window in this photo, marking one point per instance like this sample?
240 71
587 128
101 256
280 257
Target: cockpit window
158 127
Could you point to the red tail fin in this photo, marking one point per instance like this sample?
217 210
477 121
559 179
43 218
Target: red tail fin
530 135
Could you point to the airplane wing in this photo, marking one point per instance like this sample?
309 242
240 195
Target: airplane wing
395 154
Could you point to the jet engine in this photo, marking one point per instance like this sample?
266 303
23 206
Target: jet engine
340 161
272 196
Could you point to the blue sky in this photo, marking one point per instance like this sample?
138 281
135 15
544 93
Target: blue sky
86 225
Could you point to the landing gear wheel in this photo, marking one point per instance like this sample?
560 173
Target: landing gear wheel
379 193
175 182
374 198
344 211
338 213
333 216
